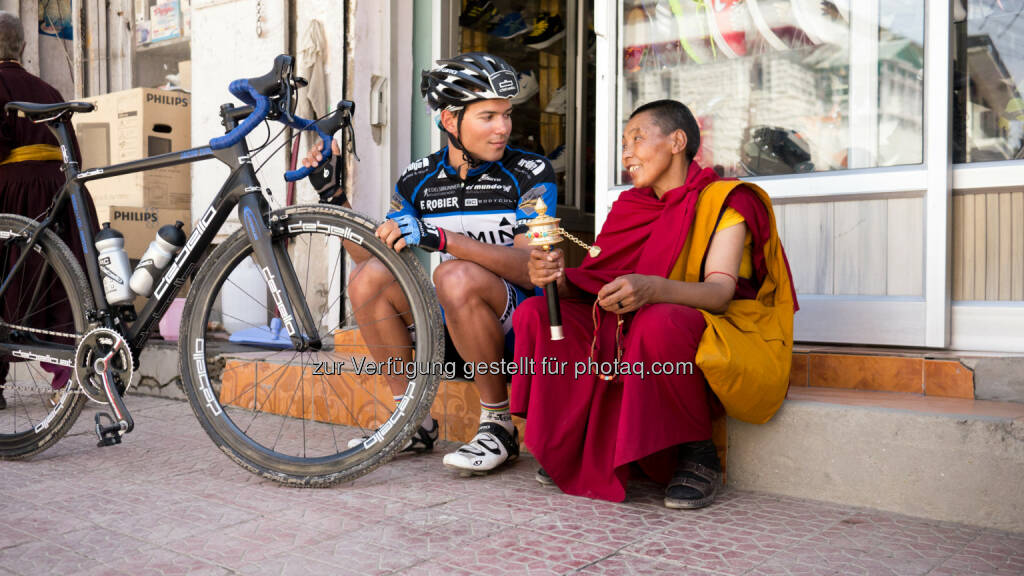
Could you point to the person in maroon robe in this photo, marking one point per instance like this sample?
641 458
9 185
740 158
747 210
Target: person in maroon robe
30 179
587 429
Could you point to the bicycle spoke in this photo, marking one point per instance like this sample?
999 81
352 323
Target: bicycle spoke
330 282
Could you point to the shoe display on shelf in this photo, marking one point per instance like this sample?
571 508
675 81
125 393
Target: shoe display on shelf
509 26
547 30
477 11
528 87
559 102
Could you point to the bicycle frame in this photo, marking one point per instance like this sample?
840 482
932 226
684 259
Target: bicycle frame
241 189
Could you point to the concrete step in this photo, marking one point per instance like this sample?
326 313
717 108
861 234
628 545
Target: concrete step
942 458
941 373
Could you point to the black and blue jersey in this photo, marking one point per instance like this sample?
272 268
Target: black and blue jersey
491 205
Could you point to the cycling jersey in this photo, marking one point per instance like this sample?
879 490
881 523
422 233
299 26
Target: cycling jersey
491 205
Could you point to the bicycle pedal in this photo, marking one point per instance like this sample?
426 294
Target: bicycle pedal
109 435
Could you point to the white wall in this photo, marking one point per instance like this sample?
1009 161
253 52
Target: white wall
225 47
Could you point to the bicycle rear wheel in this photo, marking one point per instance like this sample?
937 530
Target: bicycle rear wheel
290 415
45 305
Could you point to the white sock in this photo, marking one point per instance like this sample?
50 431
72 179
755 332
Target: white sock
498 413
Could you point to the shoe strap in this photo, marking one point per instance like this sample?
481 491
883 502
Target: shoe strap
695 475
498 431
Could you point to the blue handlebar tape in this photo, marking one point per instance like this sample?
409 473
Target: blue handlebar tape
247 94
301 173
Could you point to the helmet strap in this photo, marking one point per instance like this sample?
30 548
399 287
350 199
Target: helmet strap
457 143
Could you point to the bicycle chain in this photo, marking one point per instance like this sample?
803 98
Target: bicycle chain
40 331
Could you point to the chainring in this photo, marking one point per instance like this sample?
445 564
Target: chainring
102 347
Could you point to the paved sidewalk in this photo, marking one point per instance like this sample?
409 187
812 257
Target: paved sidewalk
168 502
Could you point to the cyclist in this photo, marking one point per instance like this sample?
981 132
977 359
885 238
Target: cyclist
468 201
30 178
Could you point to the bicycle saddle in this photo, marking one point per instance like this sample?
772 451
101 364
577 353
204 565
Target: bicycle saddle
35 112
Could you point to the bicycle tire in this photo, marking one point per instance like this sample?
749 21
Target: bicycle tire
214 372
24 400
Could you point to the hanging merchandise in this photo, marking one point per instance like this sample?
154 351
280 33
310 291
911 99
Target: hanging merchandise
259 18
55 18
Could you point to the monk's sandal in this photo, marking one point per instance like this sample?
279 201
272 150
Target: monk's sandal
491 447
693 486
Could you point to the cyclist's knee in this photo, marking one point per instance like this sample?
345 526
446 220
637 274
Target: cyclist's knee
457 282
368 279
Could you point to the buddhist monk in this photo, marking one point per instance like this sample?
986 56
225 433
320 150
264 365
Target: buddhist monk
30 179
691 288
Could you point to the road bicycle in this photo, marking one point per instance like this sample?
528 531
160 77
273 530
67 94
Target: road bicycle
258 400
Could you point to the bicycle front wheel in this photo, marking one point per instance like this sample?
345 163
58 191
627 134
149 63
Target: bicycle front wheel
44 307
313 417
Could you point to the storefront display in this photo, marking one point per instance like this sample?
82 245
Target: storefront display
162 41
987 100
779 85
539 39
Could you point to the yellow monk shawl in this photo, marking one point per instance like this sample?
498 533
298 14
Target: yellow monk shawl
745 353
32 152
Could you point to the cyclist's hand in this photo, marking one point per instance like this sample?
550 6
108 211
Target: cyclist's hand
315 157
416 232
546 267
391 235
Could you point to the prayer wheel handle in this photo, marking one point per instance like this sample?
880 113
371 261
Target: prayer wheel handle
544 232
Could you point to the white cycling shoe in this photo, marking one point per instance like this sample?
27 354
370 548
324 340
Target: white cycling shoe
491 447
422 441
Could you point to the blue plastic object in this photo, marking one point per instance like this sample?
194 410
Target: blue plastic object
266 336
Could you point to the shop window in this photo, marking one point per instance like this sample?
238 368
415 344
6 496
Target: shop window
551 43
782 86
988 80
531 36
163 30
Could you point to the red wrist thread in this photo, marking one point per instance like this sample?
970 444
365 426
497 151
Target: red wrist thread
734 278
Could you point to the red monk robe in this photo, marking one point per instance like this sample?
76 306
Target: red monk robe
585 432
29 186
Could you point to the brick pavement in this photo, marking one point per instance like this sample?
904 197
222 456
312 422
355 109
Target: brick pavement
168 502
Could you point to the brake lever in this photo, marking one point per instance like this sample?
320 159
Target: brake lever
292 84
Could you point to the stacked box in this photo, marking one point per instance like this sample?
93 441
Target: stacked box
131 125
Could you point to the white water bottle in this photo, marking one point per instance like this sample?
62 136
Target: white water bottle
169 240
114 266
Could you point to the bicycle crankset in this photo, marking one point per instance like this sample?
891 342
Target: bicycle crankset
100 350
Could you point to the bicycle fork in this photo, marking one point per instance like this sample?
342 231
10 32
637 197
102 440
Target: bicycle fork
276 268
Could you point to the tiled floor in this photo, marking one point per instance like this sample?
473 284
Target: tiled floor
167 502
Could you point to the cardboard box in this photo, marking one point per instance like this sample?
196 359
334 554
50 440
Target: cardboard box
165 20
139 226
131 125
185 74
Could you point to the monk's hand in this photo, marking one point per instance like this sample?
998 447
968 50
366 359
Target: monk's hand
546 267
315 157
391 235
628 293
